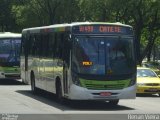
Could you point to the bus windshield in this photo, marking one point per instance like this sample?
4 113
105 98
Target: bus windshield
103 55
10 51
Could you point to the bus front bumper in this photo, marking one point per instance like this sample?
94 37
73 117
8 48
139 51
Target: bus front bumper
2 75
9 75
80 93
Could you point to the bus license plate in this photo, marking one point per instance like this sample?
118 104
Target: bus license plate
105 94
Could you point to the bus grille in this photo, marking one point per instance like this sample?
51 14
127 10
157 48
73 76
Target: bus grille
104 87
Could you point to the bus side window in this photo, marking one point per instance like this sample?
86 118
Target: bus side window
33 47
22 44
55 46
50 45
30 44
40 46
66 48
43 45
36 47
59 45
46 45
26 43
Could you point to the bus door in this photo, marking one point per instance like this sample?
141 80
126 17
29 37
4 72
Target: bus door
41 81
66 61
65 78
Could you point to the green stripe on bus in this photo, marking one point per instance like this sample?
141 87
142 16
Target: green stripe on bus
10 69
60 29
102 85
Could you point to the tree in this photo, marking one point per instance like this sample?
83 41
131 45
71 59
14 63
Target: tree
152 27
143 16
7 21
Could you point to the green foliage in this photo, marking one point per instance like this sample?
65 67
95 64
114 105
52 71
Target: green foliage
7 21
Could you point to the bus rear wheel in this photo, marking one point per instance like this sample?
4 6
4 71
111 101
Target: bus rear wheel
114 102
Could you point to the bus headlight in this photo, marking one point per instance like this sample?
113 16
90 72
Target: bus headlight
140 84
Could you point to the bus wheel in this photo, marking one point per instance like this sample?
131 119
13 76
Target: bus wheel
33 88
113 102
59 93
159 94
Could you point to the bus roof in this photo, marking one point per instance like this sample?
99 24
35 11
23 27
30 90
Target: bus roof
36 29
9 35
100 23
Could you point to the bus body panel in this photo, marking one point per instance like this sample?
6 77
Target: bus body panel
45 73
22 64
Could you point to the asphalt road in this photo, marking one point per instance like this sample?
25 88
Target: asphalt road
17 99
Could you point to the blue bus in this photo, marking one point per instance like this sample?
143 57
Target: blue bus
10 55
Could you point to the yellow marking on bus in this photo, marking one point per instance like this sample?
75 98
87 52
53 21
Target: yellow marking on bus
87 63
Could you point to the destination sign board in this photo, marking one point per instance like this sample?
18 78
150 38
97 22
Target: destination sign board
102 29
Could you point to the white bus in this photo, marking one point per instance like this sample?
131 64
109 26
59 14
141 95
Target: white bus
81 61
10 55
